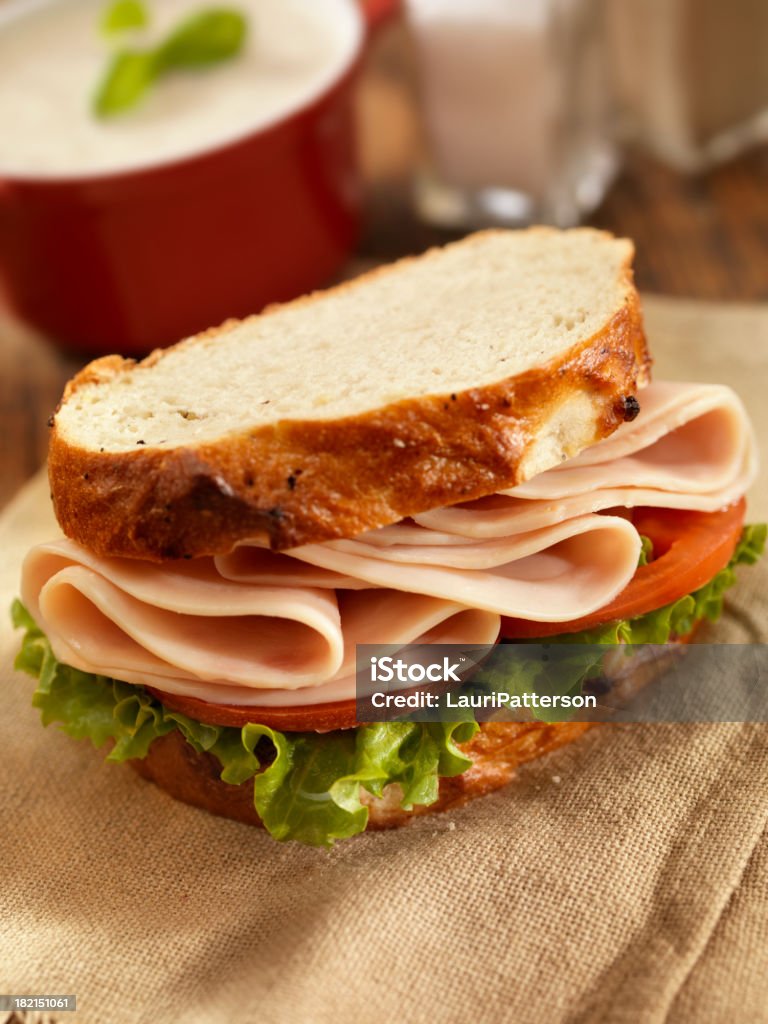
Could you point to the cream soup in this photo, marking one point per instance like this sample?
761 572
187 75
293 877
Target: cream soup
52 56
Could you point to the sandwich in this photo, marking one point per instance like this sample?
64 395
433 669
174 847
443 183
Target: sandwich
462 448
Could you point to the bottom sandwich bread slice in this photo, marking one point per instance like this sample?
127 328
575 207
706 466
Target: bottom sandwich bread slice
226 675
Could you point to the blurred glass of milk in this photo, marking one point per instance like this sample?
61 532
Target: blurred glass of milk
515 110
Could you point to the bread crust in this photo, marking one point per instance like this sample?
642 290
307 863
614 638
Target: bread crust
306 481
497 750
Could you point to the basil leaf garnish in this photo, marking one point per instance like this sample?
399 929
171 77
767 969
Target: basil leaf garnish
209 37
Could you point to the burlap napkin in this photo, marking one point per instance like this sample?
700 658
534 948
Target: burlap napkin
622 879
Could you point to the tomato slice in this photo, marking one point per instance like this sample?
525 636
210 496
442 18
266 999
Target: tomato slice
689 548
302 718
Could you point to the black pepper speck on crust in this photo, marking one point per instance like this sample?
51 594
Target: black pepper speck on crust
630 408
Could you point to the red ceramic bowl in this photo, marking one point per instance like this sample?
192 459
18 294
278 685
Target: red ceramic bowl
127 261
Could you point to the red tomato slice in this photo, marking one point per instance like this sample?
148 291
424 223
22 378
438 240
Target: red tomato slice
309 718
689 548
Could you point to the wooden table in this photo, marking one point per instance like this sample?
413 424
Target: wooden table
702 238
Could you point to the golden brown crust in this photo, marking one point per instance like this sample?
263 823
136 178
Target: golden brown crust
496 751
302 482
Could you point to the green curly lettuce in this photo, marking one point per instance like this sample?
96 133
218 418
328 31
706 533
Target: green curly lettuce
307 786
646 550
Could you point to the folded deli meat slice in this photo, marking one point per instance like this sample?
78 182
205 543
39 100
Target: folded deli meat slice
690 447
572 564
256 627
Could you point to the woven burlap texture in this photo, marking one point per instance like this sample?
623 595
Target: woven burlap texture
624 878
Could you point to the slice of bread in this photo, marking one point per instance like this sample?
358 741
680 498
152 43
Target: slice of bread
436 380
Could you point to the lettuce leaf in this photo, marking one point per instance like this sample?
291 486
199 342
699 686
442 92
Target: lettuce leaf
537 668
646 550
307 786
312 790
